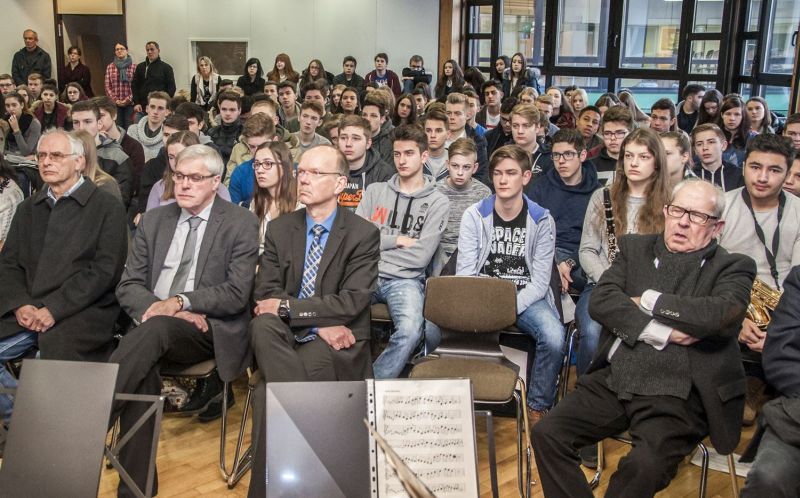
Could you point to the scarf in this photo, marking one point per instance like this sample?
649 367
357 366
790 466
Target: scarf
122 67
212 88
143 138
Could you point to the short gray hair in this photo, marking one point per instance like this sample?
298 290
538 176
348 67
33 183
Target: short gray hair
719 194
209 156
75 144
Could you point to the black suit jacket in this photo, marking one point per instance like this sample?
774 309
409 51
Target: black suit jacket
712 313
347 274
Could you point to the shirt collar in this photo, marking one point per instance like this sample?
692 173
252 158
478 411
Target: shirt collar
203 215
328 223
69 192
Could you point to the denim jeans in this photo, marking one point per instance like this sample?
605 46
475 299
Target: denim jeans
774 472
404 298
12 347
125 116
541 321
589 331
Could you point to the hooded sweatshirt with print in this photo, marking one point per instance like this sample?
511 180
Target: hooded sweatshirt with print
373 170
421 215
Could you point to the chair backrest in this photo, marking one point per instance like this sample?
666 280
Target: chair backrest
471 304
58 429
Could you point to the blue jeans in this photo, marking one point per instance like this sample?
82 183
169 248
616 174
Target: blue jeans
404 298
589 331
774 472
125 116
12 347
541 321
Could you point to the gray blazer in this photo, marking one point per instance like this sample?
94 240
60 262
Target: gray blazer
224 276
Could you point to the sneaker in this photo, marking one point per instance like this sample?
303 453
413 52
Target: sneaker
207 391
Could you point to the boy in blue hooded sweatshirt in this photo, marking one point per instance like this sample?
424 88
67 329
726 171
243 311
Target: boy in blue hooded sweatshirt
411 215
511 237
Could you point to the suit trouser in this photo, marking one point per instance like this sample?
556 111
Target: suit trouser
139 355
664 429
281 358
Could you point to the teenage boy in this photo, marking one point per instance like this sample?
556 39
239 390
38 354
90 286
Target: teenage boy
489 115
501 135
110 157
462 190
545 105
310 117
588 123
348 76
382 76
565 191
509 236
148 130
365 165
456 110
473 105
6 84
375 111
662 116
271 90
258 130
411 215
709 142
316 91
414 74
792 183
525 131
435 125
289 109
792 130
35 82
154 168
51 113
616 124
227 132
109 128
688 109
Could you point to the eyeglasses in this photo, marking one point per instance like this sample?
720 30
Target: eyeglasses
315 173
265 165
695 217
194 179
619 134
56 157
567 156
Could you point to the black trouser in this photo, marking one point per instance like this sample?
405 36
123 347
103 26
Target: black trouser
139 355
664 429
281 358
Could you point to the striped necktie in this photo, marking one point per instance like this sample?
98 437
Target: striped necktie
312 263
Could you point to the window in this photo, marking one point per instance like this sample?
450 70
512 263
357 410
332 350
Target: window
651 34
648 91
228 56
524 29
783 23
582 33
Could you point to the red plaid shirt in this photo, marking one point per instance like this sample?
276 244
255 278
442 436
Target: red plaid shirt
116 89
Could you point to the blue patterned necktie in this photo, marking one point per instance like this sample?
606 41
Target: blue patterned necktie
312 263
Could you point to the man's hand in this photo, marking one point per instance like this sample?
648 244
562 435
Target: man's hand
678 337
167 307
267 306
25 315
637 300
752 336
338 337
137 108
403 241
564 272
195 319
42 320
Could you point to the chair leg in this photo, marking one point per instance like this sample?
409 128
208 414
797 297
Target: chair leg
241 461
491 449
732 472
572 331
600 464
114 439
523 429
703 469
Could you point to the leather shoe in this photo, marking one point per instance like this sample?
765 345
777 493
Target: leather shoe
207 390
535 416
589 456
214 410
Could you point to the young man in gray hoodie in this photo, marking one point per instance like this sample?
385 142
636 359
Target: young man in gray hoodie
411 215
366 166
509 236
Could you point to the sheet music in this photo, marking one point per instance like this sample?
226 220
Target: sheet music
430 425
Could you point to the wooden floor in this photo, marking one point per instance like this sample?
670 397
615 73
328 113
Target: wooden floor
188 456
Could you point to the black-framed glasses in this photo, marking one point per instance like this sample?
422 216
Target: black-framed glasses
179 177
567 156
695 217
265 165
619 134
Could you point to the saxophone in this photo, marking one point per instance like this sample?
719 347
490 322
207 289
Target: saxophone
763 300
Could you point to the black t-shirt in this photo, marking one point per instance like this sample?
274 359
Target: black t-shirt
507 254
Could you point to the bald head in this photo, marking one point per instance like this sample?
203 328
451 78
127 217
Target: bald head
326 158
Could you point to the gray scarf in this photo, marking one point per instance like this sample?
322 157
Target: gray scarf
122 67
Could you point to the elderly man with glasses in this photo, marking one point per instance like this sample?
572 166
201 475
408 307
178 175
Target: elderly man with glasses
313 291
668 369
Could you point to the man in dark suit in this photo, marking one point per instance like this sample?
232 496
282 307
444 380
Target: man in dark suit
187 282
313 291
669 369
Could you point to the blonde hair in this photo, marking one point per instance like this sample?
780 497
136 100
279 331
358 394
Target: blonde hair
92 170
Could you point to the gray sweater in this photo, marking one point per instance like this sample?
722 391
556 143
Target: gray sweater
593 252
421 215
460 200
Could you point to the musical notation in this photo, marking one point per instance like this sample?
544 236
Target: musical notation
415 443
422 430
422 414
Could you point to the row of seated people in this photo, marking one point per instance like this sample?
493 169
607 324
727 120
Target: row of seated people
416 240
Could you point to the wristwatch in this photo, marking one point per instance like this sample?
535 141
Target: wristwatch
571 262
284 313
180 301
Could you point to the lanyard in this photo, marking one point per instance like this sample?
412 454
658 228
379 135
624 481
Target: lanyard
773 268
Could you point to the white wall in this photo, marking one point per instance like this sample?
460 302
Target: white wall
304 29
19 15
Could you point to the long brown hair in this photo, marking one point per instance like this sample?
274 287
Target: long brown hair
92 170
651 216
288 70
185 138
286 200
